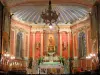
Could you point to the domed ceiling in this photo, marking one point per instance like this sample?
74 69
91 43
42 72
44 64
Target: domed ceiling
32 13
29 11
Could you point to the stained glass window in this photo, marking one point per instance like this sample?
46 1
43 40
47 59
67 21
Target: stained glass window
82 44
19 45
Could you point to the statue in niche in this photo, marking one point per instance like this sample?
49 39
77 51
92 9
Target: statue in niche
51 47
64 47
51 41
37 45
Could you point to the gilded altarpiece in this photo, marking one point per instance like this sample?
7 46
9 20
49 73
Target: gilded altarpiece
50 39
50 42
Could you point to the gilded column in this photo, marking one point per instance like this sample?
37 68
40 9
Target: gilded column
28 44
12 42
15 40
23 43
41 43
60 44
86 37
33 45
76 44
68 44
73 46
87 42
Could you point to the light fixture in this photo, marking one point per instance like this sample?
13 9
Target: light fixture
49 16
6 54
50 26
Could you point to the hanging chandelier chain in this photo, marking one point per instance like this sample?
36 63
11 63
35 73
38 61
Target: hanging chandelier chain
50 8
49 16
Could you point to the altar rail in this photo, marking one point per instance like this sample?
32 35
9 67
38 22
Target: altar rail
16 64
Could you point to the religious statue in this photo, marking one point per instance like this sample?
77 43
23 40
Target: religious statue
37 45
51 47
64 46
51 41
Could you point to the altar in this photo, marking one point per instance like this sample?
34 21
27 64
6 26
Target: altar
51 68
51 65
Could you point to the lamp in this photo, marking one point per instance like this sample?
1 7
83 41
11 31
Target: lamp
49 16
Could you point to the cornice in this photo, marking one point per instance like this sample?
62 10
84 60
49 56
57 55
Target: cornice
14 22
80 29
37 29
19 29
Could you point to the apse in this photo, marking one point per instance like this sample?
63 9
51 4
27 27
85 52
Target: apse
49 36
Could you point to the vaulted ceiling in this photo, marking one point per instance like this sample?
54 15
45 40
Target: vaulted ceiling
12 3
30 10
32 14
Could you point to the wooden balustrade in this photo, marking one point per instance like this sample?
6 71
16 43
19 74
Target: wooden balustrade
15 64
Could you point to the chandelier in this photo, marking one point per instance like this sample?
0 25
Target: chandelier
49 16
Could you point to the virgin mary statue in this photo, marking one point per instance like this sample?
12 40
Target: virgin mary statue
51 45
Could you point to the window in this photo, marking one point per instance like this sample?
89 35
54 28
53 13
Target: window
82 44
19 45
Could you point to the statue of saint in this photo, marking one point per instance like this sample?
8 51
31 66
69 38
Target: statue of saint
51 46
38 45
51 41
64 46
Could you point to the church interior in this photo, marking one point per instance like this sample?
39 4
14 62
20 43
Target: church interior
49 36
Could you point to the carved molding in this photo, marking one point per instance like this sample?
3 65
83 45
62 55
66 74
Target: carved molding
65 29
37 29
19 29
83 28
